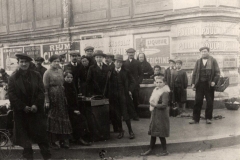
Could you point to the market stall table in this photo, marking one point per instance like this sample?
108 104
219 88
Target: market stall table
97 115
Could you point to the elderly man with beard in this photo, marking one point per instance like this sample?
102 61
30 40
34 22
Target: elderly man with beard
39 68
26 95
205 75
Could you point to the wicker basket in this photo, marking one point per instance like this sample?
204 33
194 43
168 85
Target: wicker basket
222 84
232 106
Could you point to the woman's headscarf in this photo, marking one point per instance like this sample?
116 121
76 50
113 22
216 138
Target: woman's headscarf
145 60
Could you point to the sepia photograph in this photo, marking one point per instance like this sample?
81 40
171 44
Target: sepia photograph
120 79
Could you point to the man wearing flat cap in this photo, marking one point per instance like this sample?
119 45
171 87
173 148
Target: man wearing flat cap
169 75
97 75
73 67
26 95
135 69
89 50
205 75
39 68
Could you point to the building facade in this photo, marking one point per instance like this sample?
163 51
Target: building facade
162 29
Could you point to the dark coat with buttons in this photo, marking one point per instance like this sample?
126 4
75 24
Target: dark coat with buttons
96 79
135 69
119 98
28 127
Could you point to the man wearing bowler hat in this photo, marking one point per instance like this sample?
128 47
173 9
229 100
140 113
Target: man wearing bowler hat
134 67
26 95
89 50
205 75
97 75
121 84
170 74
39 68
73 67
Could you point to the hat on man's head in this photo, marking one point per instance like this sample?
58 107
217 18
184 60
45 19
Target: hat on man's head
54 57
118 57
171 60
99 53
131 50
88 48
202 48
40 59
23 56
73 53
179 61
110 55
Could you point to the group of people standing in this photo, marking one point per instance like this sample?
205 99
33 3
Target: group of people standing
35 91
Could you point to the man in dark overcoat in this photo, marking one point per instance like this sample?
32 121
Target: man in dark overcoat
121 84
89 51
97 75
39 68
74 68
205 75
135 69
26 96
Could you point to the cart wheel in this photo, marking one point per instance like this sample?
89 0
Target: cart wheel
5 146
3 139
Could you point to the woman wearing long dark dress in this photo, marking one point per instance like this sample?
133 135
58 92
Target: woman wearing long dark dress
58 123
146 67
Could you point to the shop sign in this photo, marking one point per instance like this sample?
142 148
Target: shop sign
33 51
193 45
57 48
9 59
119 45
230 62
206 28
155 46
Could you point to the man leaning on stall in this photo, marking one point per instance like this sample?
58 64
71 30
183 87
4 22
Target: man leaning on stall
205 75
26 96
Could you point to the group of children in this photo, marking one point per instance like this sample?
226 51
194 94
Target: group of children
177 82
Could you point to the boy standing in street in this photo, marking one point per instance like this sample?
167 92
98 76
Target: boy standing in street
180 86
